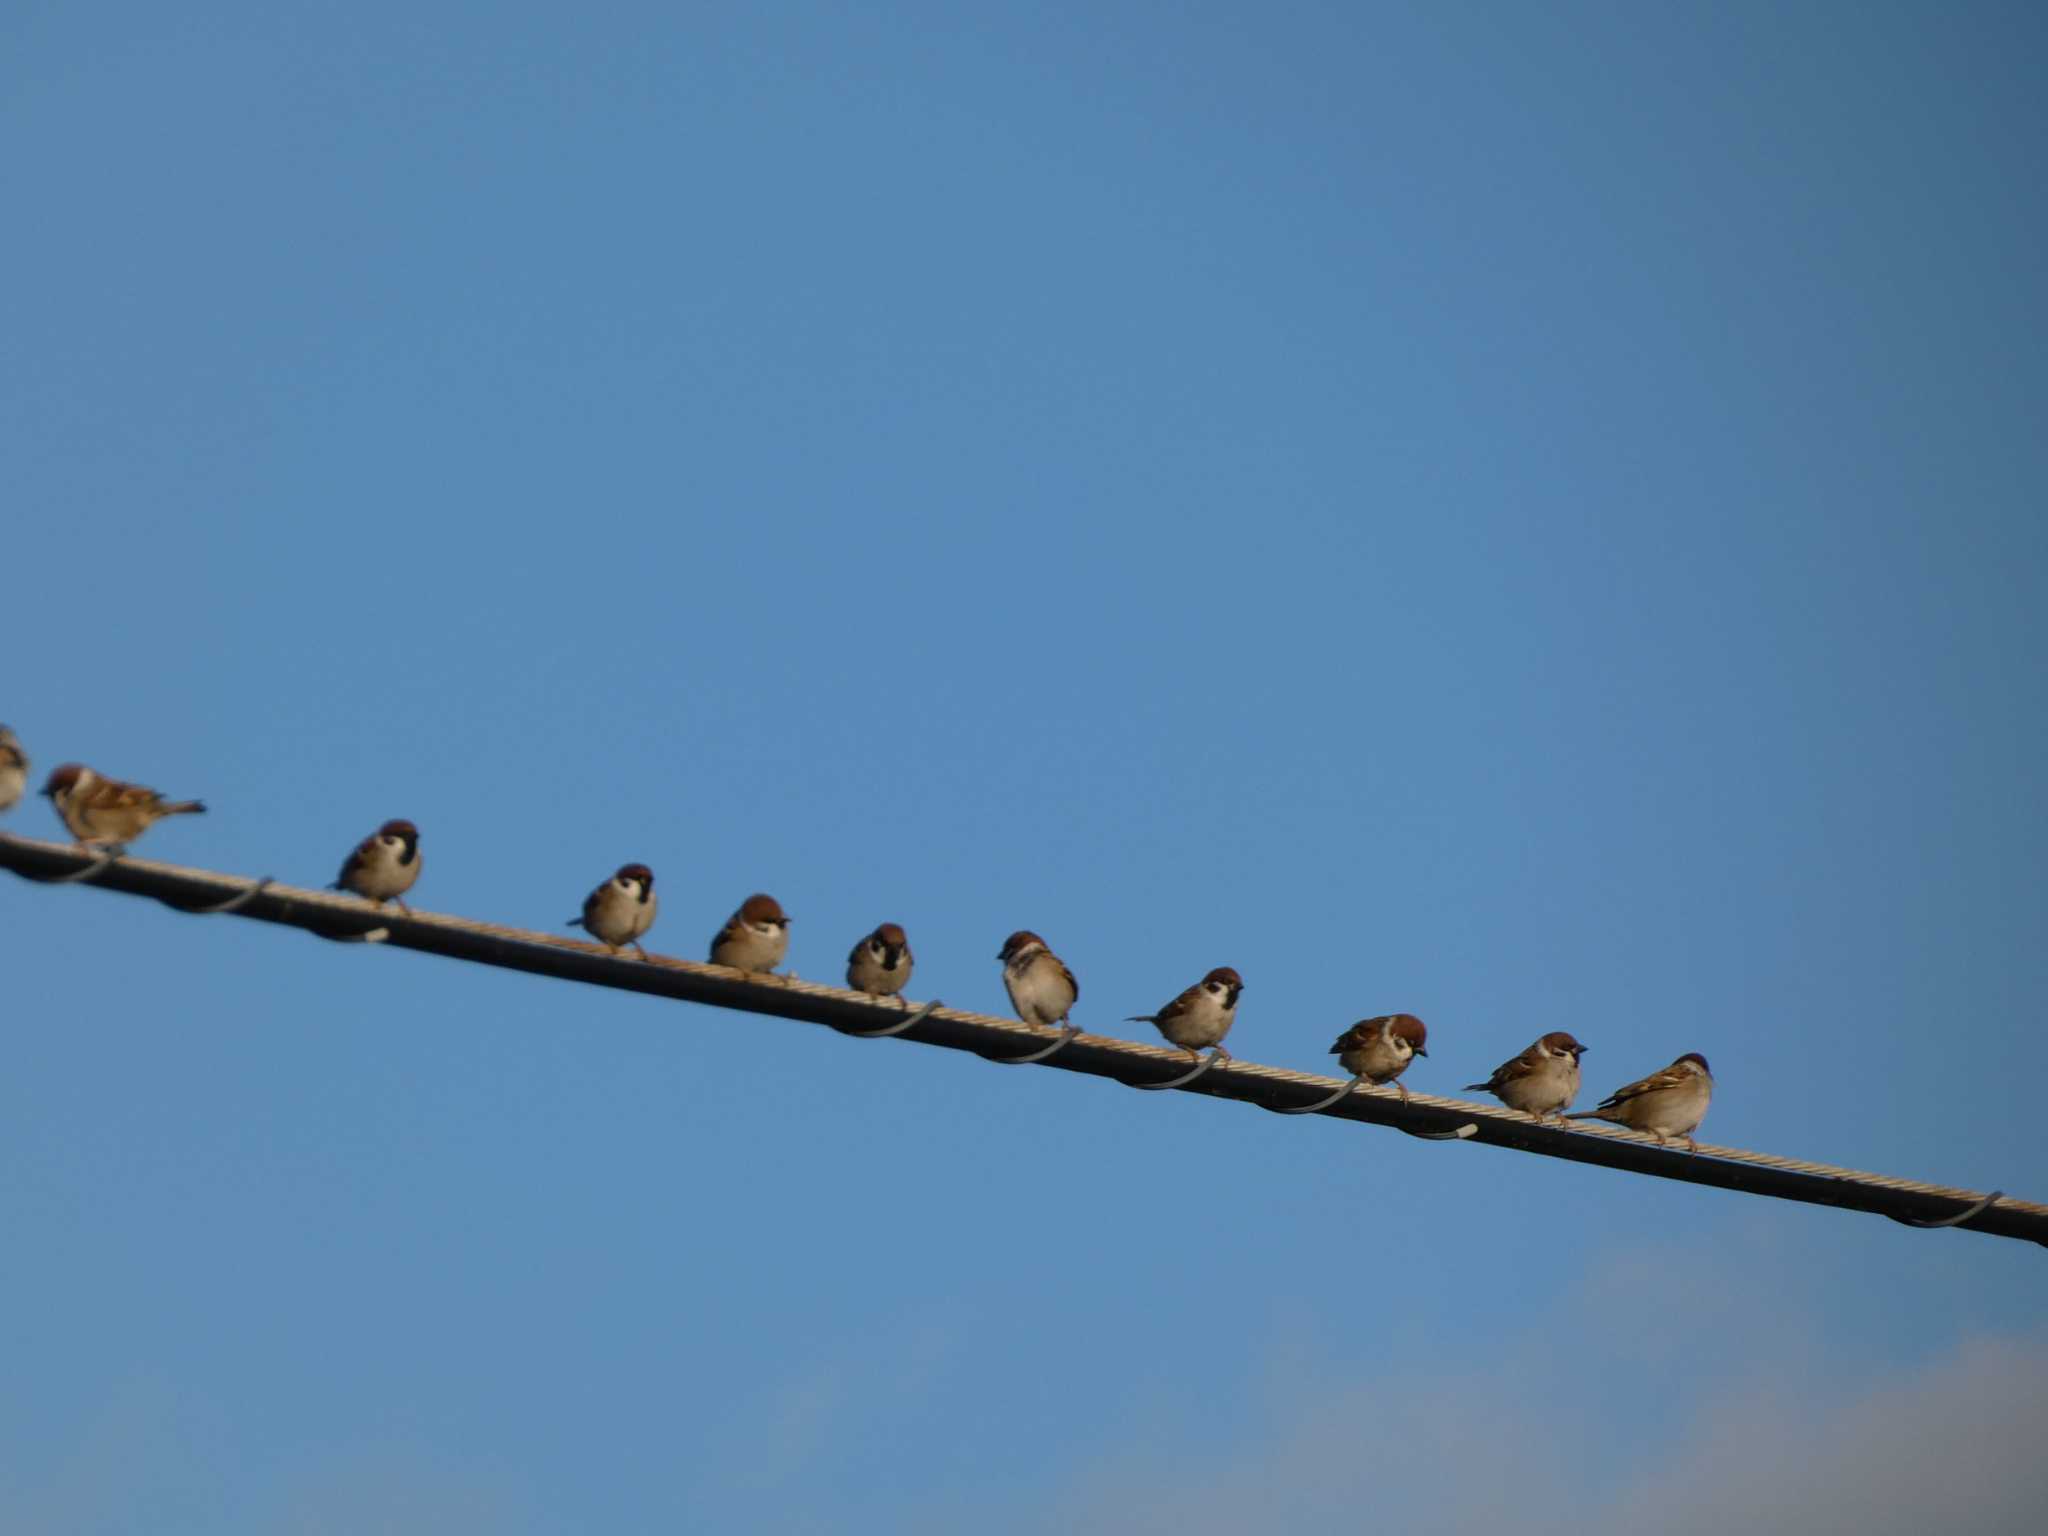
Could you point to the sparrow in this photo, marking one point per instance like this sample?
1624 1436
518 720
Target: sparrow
1668 1103
106 811
1199 1017
1379 1050
13 769
755 938
620 910
1540 1082
1041 988
383 866
880 963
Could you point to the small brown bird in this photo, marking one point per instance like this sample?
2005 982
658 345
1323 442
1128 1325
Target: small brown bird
106 812
618 912
1540 1082
1669 1103
880 963
755 938
1379 1050
1041 988
13 769
1202 1015
383 866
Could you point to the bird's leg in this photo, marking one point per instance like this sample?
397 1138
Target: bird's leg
1404 1089
639 949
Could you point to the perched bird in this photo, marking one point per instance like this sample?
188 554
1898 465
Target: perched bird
1201 1016
13 769
1380 1049
107 812
620 910
1540 1082
755 938
880 963
1666 1104
1041 988
383 866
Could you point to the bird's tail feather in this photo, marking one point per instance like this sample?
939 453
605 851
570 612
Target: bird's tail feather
183 808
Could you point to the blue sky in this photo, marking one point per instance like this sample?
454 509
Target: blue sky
1527 516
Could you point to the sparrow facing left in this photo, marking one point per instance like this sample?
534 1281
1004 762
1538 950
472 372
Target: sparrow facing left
13 769
1666 1104
880 963
755 938
1041 988
105 811
1202 1015
618 912
1379 1050
383 866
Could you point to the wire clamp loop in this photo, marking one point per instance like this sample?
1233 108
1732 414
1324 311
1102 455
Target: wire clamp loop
1185 1078
234 903
369 936
887 1030
1464 1132
1320 1104
96 867
1067 1033
1956 1220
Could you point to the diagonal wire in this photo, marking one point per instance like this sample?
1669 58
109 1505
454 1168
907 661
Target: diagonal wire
1913 1202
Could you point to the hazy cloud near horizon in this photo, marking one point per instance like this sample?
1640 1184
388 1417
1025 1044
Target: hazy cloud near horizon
1743 1426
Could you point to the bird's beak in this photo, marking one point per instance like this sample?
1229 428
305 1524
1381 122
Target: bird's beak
1420 1051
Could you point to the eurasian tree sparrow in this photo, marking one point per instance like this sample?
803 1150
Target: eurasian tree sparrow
1540 1082
1379 1050
755 938
383 865
880 963
1666 1104
1041 988
13 769
105 811
1201 1016
618 912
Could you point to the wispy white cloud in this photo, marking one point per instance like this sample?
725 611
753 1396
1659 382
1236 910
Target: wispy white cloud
1661 1396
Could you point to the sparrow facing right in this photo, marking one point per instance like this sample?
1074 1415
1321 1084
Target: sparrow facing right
13 769
755 938
1669 1103
106 811
1380 1050
1202 1015
383 866
1041 988
880 963
618 912
1540 1082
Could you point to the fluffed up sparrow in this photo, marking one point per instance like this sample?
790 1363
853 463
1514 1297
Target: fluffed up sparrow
13 769
106 812
1669 1103
880 963
383 866
755 938
618 912
1379 1050
1540 1082
1202 1015
1041 988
